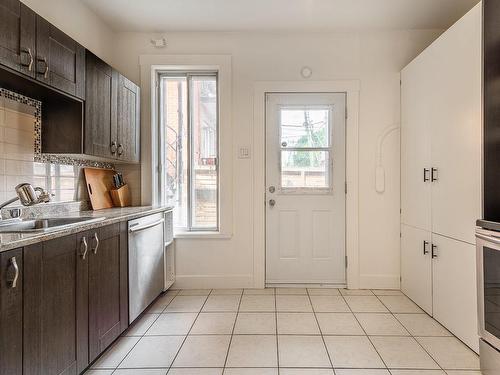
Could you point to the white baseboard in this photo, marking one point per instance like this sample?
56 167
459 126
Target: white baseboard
379 282
213 281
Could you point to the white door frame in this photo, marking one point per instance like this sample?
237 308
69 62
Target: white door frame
351 88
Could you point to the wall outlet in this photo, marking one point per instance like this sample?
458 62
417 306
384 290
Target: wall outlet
244 153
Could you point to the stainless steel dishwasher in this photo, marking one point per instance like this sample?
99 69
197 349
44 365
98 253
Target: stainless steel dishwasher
146 262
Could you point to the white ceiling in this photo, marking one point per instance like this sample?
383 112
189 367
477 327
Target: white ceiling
278 15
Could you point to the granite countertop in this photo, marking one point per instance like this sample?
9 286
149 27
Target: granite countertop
10 241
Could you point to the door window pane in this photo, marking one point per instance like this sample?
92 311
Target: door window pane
305 169
304 127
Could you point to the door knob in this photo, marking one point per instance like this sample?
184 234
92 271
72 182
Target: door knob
272 189
272 202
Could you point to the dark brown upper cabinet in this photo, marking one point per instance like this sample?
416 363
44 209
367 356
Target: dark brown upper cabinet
108 288
55 307
11 312
17 37
60 61
128 120
32 46
100 108
112 110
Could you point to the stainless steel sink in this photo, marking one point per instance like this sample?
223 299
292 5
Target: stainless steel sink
45 225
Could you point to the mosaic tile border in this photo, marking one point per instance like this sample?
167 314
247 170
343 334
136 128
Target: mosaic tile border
49 158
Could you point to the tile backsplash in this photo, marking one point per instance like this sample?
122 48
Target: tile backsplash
21 160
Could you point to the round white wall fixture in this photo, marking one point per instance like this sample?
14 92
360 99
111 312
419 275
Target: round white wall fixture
306 72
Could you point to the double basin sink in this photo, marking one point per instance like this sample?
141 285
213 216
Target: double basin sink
44 225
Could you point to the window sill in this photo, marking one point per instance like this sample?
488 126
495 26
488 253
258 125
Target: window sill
203 235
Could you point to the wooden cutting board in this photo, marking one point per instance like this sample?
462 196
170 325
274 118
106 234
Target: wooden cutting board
99 183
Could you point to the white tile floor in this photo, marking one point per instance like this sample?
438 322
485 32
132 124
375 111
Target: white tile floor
286 332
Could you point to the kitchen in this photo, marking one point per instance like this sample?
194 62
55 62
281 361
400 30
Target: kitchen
204 186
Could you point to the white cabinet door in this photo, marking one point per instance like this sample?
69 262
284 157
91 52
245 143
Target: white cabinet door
415 144
416 268
455 123
454 288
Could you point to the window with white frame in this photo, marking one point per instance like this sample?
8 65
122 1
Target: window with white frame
188 107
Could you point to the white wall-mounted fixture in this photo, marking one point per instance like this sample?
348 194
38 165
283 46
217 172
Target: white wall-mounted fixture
306 72
159 42
379 168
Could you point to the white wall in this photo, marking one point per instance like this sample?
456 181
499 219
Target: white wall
373 58
79 22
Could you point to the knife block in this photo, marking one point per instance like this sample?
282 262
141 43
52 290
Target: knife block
121 196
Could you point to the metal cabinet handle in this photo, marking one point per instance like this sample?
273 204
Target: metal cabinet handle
113 147
46 71
426 243
434 174
433 252
84 248
13 263
96 241
146 226
30 54
426 174
120 149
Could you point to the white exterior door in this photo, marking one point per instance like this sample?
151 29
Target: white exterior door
305 188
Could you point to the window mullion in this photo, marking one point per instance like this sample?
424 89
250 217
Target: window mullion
189 155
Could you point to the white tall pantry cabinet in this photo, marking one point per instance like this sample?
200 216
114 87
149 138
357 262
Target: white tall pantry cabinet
441 176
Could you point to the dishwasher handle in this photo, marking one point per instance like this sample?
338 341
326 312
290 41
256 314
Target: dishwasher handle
137 228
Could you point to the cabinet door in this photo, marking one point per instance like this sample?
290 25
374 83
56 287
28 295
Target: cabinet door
60 60
101 84
415 145
454 288
128 120
416 266
17 36
456 129
53 289
11 312
108 313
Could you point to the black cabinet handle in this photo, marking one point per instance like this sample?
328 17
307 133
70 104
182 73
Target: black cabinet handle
426 174
434 254
426 243
434 174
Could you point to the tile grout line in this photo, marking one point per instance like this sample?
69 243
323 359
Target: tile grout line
413 337
185 338
140 338
276 330
320 331
232 333
363 328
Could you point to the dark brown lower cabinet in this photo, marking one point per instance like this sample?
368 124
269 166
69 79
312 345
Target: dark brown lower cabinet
11 312
63 301
108 291
54 307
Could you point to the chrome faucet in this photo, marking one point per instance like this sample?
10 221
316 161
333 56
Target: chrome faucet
28 196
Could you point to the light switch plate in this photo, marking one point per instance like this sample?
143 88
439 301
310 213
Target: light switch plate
244 153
